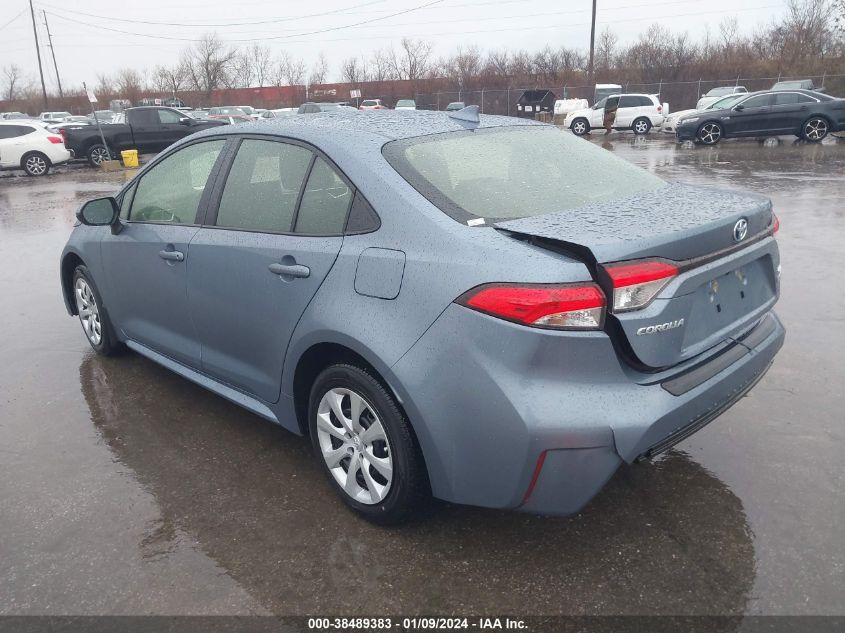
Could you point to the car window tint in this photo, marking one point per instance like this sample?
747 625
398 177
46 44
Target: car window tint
645 101
758 101
263 186
629 102
168 116
324 203
171 191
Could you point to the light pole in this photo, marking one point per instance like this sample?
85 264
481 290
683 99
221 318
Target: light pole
592 46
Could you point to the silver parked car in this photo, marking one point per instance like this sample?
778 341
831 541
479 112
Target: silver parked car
486 309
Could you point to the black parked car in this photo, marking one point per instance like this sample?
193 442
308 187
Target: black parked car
806 114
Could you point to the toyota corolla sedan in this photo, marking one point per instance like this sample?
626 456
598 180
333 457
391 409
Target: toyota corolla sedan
439 315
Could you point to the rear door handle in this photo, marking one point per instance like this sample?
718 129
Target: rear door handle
292 270
174 256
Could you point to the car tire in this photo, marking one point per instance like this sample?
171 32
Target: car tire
35 164
814 129
709 133
95 321
390 481
98 153
580 127
641 126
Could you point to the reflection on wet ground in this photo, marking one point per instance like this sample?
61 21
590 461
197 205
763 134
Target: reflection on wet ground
126 489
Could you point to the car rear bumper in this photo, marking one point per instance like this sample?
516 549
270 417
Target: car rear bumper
537 420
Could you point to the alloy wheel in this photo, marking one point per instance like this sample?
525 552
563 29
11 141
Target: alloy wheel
99 154
35 165
641 127
815 129
89 313
579 127
354 445
710 133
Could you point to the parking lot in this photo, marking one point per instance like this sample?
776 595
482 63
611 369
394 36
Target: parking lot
127 489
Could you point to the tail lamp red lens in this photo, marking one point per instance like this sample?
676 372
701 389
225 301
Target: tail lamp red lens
56 140
636 283
775 224
555 306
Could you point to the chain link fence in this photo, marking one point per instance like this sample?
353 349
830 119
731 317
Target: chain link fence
680 95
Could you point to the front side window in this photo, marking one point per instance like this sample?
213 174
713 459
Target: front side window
324 203
263 186
168 117
757 102
170 192
629 102
513 172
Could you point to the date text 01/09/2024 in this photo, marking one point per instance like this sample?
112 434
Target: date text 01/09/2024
415 623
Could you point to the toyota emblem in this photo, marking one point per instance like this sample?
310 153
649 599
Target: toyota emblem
740 229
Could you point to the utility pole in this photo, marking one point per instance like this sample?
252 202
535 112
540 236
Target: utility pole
53 52
38 52
592 46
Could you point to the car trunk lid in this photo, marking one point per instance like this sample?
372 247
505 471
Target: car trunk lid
721 287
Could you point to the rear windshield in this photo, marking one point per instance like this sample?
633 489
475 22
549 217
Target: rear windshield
513 172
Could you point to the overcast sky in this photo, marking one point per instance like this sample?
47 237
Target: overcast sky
94 36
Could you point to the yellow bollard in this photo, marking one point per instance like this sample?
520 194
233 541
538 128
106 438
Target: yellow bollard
130 157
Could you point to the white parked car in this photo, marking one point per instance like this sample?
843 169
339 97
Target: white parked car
670 123
406 104
277 113
31 147
637 112
714 94
54 117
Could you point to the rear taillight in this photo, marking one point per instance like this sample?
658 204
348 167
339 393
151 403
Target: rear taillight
556 306
56 140
775 224
660 109
636 283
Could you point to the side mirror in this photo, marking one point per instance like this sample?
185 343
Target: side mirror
185 120
739 108
99 212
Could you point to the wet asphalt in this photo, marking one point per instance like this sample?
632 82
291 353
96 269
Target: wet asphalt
125 489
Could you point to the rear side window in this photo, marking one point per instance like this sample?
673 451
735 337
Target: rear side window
645 101
629 102
325 202
14 131
788 98
171 191
513 172
263 186
758 101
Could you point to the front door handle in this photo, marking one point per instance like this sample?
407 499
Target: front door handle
174 256
290 270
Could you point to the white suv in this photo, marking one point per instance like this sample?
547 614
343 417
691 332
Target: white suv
637 112
28 146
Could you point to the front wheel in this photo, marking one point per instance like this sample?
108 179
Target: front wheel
98 154
641 126
366 445
35 164
709 133
95 322
815 129
580 127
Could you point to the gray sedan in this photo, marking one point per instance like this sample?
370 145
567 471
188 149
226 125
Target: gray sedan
482 309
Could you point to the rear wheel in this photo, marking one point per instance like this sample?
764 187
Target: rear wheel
641 126
97 154
815 129
366 445
709 133
35 164
580 127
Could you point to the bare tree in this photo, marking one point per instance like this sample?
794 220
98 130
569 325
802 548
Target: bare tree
497 63
170 79
320 70
413 59
262 63
353 70
241 70
105 85
606 51
381 66
12 79
289 71
208 63
464 67
129 83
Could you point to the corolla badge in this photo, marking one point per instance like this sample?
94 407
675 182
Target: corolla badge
740 229
661 327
